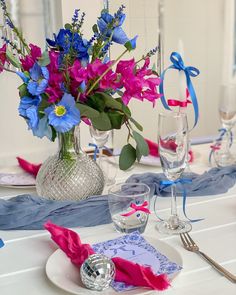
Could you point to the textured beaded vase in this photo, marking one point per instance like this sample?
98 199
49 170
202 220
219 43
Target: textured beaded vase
70 174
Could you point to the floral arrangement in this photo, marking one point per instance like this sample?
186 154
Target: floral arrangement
75 80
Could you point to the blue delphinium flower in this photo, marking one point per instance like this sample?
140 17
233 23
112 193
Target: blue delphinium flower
64 115
67 40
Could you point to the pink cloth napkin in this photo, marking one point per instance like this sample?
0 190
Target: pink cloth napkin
153 149
29 167
126 271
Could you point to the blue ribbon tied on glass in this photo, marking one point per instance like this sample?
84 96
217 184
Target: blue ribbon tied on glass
178 64
182 181
97 150
1 243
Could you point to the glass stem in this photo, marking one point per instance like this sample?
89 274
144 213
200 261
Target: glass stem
227 143
174 219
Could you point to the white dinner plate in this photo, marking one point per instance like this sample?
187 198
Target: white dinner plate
15 177
66 276
150 161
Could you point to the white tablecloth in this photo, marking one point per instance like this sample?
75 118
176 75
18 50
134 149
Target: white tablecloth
23 258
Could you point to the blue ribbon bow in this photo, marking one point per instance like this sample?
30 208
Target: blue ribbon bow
219 140
1 243
178 64
166 183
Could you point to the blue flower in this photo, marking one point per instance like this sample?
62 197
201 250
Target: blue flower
67 40
38 82
111 26
43 129
64 115
28 108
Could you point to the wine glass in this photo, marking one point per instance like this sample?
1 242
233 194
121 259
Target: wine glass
227 113
105 161
173 149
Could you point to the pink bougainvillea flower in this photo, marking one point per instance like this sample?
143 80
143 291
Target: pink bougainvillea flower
3 50
29 60
138 83
77 72
55 78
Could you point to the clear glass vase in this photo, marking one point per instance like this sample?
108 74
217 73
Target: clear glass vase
70 174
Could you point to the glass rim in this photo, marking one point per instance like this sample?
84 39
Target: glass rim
173 114
129 183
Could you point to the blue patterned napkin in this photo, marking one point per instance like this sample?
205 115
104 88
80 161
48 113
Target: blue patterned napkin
135 248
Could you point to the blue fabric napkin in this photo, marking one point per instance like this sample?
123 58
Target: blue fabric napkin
213 182
31 212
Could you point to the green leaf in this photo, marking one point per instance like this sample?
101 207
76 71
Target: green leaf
137 125
86 111
23 91
12 59
54 134
102 122
95 28
68 26
44 103
96 102
127 157
138 154
141 144
109 101
116 119
44 60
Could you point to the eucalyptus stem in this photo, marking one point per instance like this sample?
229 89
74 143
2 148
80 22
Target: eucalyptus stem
107 70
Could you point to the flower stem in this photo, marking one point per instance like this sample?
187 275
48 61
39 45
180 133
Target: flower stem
107 70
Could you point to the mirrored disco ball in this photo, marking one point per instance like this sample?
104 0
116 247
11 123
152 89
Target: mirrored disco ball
97 272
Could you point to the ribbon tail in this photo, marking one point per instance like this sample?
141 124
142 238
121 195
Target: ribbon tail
184 206
193 98
161 89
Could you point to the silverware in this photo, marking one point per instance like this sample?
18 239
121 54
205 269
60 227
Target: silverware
190 245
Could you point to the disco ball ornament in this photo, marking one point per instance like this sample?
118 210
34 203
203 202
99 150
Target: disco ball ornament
97 272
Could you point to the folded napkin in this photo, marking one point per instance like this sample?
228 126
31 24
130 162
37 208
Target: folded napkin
213 182
31 212
126 271
29 167
153 149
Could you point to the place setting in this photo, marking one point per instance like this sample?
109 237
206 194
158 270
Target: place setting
87 230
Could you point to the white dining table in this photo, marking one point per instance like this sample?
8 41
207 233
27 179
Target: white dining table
24 256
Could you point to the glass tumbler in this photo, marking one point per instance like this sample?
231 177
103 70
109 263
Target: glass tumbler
129 206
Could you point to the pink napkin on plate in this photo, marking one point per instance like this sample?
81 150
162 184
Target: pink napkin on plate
28 167
126 271
153 149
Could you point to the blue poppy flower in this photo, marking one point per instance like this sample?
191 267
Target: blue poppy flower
38 82
43 129
28 108
64 115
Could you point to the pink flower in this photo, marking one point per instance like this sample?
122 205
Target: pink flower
28 61
77 72
3 50
138 83
55 78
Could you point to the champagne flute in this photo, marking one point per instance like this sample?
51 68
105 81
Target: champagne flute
227 113
173 149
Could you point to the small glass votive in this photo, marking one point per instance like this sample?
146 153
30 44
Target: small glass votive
129 206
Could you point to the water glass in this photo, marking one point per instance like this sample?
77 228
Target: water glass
129 206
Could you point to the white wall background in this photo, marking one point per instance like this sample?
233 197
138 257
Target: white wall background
198 23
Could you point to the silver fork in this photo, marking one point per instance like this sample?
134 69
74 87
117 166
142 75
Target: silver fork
190 245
